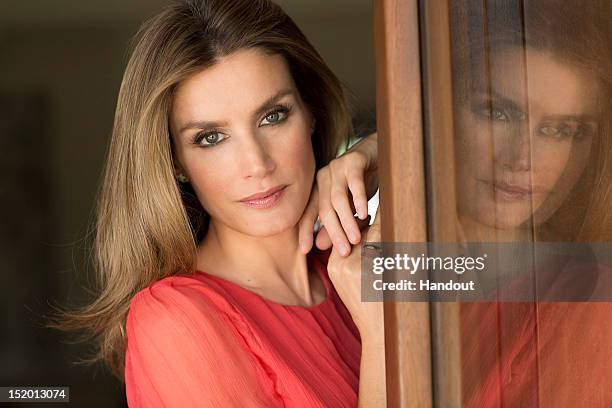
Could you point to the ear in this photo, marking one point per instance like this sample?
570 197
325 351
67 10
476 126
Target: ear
181 177
179 173
177 170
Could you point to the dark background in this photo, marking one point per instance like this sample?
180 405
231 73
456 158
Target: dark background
61 63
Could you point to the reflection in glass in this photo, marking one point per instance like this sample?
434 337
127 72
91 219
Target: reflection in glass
531 95
532 92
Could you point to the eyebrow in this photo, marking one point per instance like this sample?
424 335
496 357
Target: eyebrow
494 95
579 118
267 105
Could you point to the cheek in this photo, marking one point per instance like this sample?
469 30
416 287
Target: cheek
474 150
211 176
549 161
209 189
295 155
565 168
205 176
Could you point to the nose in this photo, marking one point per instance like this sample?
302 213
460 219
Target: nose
514 153
255 160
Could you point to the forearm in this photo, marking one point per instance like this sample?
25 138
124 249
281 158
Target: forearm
372 384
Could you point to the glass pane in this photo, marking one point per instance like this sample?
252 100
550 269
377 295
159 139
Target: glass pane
532 165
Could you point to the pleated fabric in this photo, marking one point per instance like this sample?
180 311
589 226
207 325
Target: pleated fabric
539 354
203 341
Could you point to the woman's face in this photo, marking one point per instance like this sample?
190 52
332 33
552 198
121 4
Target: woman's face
240 128
522 144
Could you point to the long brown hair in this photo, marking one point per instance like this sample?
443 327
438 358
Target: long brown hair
147 225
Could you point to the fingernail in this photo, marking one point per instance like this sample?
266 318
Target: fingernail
344 250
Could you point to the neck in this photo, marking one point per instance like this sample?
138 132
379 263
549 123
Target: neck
272 263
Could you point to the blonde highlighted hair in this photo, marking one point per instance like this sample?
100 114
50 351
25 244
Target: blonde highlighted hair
148 225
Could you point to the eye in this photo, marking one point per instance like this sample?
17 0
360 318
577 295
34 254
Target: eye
565 130
550 131
276 116
210 138
498 115
492 113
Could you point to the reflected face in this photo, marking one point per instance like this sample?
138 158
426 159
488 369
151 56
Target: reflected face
523 145
241 129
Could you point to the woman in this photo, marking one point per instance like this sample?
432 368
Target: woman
224 115
533 153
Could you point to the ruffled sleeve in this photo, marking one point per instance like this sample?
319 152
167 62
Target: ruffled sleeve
184 351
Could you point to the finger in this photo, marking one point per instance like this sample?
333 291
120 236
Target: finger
334 265
356 185
340 202
335 231
327 214
322 240
306 223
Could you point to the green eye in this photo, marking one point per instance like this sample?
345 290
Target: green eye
209 139
274 117
212 138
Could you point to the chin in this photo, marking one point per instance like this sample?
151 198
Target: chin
505 220
272 221
269 231
503 216
269 224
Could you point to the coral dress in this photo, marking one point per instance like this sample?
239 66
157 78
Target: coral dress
540 354
203 341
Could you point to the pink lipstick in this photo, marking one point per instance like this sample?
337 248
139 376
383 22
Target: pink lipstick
265 199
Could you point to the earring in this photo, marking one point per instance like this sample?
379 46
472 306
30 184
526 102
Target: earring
182 178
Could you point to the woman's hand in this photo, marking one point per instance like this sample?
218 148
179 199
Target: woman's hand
342 188
345 274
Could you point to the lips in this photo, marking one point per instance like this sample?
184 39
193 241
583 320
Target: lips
263 194
511 192
512 189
